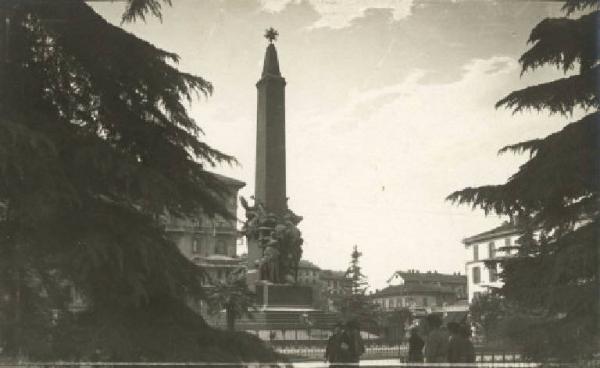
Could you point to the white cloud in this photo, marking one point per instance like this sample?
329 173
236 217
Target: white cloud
340 13
382 164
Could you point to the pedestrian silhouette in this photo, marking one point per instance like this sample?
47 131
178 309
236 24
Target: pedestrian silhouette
415 346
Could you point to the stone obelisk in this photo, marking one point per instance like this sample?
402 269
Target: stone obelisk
270 134
270 178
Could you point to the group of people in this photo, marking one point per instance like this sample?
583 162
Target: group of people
345 344
449 345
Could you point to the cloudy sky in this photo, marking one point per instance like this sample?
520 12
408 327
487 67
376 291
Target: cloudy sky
390 107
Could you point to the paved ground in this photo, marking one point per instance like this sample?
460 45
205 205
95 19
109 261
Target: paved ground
397 363
364 363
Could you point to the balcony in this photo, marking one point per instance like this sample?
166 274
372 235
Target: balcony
227 229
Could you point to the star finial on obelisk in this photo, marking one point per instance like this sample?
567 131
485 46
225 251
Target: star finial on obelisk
271 34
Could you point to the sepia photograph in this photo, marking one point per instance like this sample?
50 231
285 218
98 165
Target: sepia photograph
300 183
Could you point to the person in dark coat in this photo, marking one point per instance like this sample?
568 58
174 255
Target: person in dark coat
460 348
339 349
357 347
345 349
415 346
332 350
436 345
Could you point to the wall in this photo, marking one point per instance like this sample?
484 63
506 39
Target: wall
202 238
483 255
308 276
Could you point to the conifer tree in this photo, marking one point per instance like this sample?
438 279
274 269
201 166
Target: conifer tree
356 305
96 144
358 280
553 280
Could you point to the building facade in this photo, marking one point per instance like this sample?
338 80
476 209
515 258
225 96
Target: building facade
422 292
335 282
482 248
455 282
308 273
327 285
210 242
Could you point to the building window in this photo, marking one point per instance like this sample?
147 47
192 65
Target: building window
195 246
492 250
507 242
424 301
493 273
476 252
220 247
476 275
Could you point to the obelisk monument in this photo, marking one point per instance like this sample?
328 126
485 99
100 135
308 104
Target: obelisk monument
270 133
270 172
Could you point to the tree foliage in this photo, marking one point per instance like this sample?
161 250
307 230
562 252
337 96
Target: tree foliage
358 280
356 304
487 312
96 144
233 297
553 280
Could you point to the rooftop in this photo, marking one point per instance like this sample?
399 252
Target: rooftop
333 275
307 264
430 277
503 230
412 289
229 181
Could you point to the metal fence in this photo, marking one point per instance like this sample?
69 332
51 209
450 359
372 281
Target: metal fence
305 337
371 352
399 352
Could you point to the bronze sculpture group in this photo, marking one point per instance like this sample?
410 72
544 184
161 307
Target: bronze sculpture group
279 239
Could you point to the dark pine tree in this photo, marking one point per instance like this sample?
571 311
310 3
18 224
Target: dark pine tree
358 281
553 280
356 304
95 146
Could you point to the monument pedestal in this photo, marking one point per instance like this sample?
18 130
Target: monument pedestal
280 296
287 311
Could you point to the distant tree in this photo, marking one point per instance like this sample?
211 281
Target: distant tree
354 273
553 280
232 296
96 144
356 304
